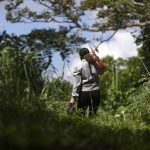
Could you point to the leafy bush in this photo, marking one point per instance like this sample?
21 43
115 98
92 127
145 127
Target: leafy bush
139 102
137 106
114 99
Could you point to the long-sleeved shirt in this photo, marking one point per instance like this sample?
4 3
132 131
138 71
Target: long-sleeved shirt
86 78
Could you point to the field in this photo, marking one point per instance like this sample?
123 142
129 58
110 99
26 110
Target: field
46 125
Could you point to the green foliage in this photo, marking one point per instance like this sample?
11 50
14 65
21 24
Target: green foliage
144 51
40 120
33 110
114 99
20 79
48 131
113 14
57 90
56 94
139 102
120 75
119 14
44 43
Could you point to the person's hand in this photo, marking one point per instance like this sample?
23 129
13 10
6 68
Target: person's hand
95 57
72 101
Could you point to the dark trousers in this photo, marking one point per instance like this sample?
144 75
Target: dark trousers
88 99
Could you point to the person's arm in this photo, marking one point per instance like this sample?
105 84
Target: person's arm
76 85
99 64
98 61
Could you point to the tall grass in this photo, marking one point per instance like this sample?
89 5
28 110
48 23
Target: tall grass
33 112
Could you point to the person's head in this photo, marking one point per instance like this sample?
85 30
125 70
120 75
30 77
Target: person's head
83 52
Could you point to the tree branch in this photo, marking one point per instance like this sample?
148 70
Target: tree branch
43 4
106 39
111 28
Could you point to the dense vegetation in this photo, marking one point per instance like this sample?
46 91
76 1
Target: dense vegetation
33 106
33 109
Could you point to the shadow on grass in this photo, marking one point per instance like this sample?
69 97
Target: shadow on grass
44 130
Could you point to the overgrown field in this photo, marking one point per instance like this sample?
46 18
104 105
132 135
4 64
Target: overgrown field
49 127
33 110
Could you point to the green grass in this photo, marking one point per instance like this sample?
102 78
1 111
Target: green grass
49 126
46 130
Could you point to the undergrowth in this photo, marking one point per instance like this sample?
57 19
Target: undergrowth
50 127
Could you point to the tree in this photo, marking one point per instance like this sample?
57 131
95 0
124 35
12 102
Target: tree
110 15
118 14
75 15
144 51
130 73
44 43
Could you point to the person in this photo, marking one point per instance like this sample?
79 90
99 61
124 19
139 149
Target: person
86 91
